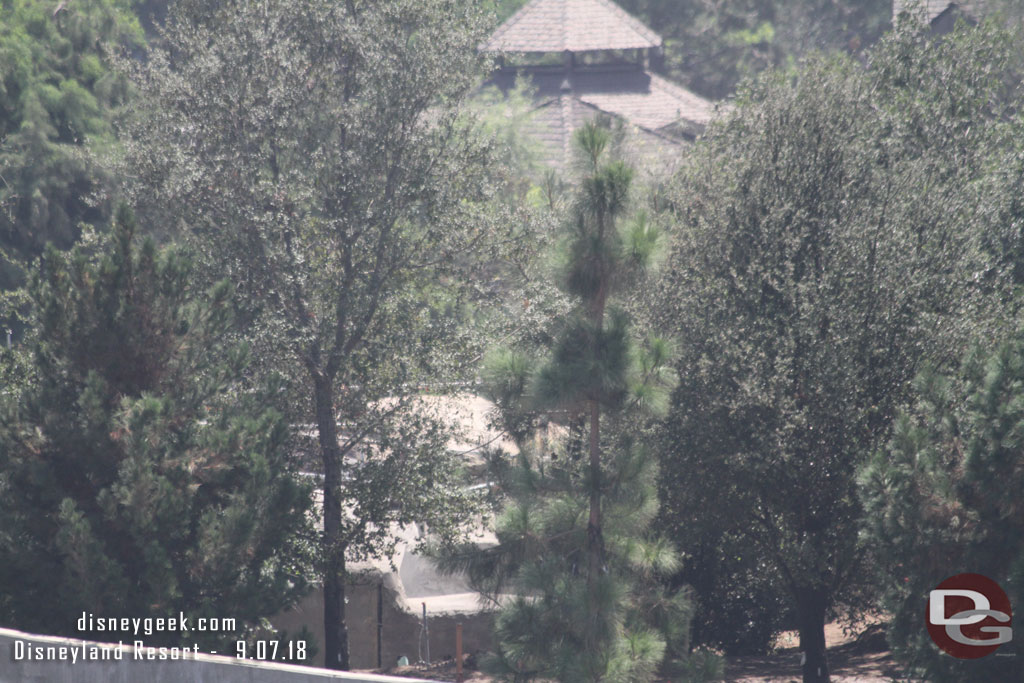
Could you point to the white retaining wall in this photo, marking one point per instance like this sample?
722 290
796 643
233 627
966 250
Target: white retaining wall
16 666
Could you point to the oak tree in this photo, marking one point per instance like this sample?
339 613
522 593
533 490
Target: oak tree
833 235
317 152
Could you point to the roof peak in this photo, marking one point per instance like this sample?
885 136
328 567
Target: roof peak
570 25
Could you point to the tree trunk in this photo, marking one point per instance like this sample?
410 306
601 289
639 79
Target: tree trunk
342 637
811 608
595 538
335 632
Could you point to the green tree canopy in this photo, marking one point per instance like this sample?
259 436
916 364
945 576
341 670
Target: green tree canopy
943 498
575 550
833 235
56 95
318 150
712 45
135 478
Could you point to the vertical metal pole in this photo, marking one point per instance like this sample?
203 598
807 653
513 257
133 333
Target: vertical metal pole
458 653
426 633
380 624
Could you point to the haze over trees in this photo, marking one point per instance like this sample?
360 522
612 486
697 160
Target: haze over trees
575 550
944 493
317 151
134 474
834 237
337 201
56 98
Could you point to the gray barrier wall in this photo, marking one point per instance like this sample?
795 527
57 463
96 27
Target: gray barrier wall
28 658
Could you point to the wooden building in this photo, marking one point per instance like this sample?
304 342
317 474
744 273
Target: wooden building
940 15
587 58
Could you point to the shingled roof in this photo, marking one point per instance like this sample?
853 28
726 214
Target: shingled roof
930 10
656 115
661 115
570 25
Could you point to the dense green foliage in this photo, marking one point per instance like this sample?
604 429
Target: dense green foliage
56 95
834 234
319 150
741 604
944 498
134 478
712 45
574 545
848 223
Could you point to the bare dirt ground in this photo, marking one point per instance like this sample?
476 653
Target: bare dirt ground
853 658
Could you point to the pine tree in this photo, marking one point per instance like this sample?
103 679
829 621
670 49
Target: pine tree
56 96
137 478
575 549
944 498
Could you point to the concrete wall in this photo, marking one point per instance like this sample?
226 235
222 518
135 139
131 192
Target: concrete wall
199 668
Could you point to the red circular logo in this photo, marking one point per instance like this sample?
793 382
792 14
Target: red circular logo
969 616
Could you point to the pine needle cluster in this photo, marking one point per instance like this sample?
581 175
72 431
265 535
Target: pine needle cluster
576 566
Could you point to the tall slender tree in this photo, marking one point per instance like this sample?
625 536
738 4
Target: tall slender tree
575 548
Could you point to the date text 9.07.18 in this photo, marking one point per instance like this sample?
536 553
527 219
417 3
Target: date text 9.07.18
272 650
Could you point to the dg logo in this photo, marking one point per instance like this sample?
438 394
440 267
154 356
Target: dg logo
969 616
